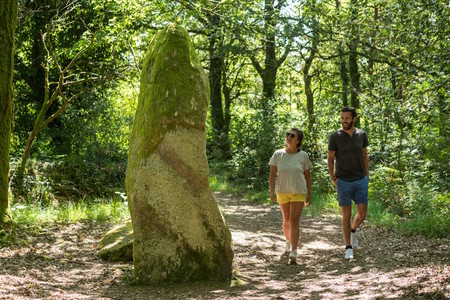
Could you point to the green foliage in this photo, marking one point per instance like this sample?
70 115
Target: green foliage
416 206
255 139
404 72
72 25
323 204
81 177
217 183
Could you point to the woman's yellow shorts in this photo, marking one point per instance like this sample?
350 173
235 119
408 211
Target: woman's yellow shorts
284 198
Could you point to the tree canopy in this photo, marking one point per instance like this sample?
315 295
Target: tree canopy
271 65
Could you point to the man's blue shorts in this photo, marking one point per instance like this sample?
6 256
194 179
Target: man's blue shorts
357 190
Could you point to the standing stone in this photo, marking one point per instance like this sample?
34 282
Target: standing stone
179 232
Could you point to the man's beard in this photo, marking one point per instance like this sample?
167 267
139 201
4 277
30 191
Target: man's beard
349 126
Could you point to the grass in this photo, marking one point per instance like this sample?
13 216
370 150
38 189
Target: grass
428 223
113 210
218 183
32 213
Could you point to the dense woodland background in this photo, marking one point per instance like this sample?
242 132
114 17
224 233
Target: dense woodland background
271 65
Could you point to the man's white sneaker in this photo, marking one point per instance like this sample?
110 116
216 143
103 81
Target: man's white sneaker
354 239
293 256
349 253
287 247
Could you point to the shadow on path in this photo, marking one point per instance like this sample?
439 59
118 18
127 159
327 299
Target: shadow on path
386 265
60 262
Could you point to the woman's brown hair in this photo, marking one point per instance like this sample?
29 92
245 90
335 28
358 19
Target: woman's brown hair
299 136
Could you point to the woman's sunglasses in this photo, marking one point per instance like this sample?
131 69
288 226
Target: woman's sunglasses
291 135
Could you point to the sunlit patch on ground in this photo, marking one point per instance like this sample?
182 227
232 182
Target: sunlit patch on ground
60 262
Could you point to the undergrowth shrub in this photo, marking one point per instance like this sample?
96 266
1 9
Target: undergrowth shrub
256 135
71 178
412 204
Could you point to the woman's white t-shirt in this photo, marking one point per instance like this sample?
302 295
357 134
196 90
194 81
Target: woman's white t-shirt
290 171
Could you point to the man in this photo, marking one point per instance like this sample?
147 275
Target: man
350 174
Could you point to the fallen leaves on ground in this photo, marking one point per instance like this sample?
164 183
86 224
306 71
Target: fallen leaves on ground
59 261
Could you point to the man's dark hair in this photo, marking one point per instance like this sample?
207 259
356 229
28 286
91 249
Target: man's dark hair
350 109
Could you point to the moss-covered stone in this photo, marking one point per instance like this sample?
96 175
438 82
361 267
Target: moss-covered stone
179 232
174 91
117 244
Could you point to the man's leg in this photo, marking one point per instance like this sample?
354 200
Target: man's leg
344 193
346 227
361 212
360 195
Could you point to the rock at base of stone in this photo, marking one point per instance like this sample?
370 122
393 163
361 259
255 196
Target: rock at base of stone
117 244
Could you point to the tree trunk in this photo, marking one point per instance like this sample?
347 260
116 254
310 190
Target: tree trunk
307 77
343 71
216 66
397 89
442 102
370 65
309 98
344 75
227 115
8 18
266 112
268 74
353 57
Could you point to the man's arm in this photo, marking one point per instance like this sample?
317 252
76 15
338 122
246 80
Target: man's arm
331 156
365 158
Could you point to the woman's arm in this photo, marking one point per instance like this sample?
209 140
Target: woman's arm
308 186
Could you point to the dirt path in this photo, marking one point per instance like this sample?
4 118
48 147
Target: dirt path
59 262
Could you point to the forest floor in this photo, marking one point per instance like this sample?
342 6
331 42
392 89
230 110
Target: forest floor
59 262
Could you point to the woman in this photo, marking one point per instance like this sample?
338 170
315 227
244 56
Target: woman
290 184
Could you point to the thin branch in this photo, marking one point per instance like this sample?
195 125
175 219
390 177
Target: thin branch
91 41
90 79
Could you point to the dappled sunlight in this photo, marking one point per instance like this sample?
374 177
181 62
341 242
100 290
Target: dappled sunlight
61 278
320 245
60 262
249 212
368 284
321 271
63 261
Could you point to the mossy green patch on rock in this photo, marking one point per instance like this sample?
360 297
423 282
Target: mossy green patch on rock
174 91
117 244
